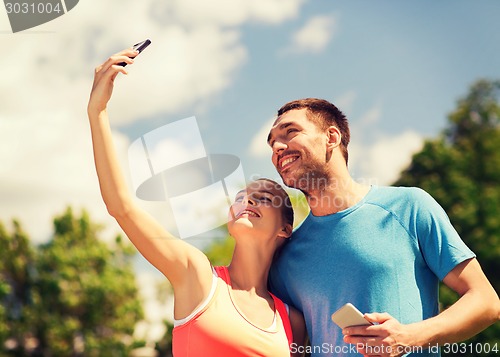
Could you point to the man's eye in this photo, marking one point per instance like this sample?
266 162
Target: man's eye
238 199
290 130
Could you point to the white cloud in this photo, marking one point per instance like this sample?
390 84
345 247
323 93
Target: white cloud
230 12
381 161
345 102
47 165
195 50
375 156
258 144
47 73
372 116
315 35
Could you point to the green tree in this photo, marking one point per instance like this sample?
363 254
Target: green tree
220 251
87 292
16 284
164 346
74 296
461 169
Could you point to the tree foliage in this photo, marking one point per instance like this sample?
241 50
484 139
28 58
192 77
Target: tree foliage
72 296
17 261
461 169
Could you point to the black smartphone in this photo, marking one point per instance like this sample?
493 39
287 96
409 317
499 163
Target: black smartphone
139 47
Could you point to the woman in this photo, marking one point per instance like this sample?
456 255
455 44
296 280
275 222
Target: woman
222 311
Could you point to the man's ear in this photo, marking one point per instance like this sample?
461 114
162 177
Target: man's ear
334 137
286 231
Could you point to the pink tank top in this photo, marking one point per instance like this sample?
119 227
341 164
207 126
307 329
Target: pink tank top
221 329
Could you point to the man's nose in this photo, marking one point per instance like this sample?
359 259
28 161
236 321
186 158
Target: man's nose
278 146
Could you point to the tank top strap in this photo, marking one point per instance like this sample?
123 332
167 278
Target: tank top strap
282 310
223 274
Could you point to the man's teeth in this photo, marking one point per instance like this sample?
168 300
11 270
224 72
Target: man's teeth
287 161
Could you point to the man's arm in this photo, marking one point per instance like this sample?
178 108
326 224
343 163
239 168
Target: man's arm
299 333
477 308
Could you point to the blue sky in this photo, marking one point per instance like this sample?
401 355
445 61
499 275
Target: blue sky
396 68
405 64
409 60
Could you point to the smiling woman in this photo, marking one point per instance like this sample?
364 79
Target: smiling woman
218 310
264 206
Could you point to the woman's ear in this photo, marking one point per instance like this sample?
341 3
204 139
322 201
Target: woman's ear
286 231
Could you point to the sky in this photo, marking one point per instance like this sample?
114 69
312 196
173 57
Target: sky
395 68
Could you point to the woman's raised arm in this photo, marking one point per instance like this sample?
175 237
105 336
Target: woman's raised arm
187 268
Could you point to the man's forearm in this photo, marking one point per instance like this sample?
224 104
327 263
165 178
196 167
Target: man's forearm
471 314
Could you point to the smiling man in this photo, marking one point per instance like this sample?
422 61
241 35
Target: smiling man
384 249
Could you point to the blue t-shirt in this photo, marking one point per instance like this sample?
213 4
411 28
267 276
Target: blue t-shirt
387 253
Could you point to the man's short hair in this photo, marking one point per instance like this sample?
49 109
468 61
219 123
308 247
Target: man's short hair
324 114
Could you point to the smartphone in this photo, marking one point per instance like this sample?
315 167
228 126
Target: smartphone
139 47
349 315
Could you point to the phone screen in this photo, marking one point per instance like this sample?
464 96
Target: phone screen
141 45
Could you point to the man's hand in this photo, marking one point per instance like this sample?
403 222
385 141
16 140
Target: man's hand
387 337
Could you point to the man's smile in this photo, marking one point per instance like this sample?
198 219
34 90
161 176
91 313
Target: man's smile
285 161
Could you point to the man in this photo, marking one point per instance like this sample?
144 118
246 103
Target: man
383 249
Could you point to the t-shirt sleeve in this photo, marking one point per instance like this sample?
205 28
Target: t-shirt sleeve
440 243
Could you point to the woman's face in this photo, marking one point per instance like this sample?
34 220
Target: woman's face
257 209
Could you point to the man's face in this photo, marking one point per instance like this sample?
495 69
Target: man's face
299 150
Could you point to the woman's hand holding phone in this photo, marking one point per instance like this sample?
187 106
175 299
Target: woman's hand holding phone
105 74
139 47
